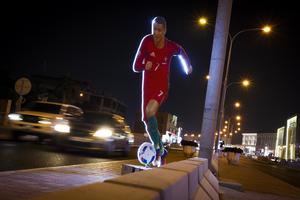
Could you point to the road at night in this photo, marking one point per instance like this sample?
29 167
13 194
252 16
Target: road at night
291 176
27 155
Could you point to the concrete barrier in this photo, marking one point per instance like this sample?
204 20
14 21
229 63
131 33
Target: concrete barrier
98 191
192 172
127 168
184 180
212 180
201 194
171 185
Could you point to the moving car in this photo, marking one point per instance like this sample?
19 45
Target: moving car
98 132
42 119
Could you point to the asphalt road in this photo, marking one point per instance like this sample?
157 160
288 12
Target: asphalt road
29 154
291 176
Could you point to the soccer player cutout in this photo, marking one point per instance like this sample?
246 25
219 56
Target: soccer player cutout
153 59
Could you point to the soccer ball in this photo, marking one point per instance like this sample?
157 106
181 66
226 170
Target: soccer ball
146 153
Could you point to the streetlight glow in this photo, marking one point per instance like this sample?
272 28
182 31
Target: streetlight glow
81 94
246 83
237 104
238 117
266 29
202 21
226 122
207 77
238 123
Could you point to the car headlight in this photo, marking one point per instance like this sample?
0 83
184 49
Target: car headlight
103 133
15 117
63 128
45 121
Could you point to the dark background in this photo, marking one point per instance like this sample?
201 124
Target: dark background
94 42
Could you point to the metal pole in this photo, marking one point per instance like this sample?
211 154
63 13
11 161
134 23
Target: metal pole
225 86
209 121
224 90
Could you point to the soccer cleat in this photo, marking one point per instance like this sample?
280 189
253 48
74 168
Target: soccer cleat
160 159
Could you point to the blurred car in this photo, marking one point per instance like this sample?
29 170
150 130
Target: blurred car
98 132
42 119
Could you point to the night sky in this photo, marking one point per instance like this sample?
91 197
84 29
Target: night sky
94 42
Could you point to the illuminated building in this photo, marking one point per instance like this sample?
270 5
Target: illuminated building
280 143
249 142
292 139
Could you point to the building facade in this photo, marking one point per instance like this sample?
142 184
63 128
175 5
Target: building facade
292 139
266 143
280 143
249 142
288 140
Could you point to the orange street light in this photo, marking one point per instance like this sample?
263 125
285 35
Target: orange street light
202 21
237 104
245 83
266 29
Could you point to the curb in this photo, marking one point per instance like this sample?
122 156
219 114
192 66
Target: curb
57 167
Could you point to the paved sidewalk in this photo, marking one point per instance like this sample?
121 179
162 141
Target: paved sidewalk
257 184
24 184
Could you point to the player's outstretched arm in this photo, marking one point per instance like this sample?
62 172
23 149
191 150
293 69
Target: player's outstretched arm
184 59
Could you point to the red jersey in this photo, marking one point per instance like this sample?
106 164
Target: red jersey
158 76
156 80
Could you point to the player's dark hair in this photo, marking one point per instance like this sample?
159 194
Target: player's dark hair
160 20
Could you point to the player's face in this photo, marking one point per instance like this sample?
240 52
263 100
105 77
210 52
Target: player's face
159 31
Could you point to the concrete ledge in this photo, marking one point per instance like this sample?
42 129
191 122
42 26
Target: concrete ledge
197 159
201 167
175 181
209 189
171 185
127 168
192 171
105 191
231 184
212 180
201 194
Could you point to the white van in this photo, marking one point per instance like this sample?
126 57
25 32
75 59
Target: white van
42 119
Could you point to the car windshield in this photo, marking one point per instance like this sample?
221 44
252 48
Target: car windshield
42 107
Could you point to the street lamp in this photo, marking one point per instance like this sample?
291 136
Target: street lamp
202 21
265 29
237 104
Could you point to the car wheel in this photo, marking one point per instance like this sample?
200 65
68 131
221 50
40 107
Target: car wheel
126 151
15 136
110 149
59 143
